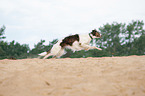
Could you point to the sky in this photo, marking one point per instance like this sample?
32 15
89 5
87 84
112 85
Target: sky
29 21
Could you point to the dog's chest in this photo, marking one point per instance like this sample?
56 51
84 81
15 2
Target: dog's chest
84 39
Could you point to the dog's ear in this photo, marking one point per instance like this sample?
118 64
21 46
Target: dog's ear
93 32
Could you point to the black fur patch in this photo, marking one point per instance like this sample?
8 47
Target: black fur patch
69 40
95 33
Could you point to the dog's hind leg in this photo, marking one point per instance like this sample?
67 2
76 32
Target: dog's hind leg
39 57
47 56
60 53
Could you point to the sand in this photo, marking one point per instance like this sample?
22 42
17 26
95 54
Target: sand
107 76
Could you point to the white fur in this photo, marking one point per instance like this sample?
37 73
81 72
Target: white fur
83 44
56 50
43 54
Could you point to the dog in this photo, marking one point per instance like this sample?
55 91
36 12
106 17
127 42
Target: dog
74 42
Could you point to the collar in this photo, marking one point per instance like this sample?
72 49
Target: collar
90 35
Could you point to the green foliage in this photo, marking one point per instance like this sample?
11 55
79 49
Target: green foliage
39 47
13 50
2 32
139 46
118 39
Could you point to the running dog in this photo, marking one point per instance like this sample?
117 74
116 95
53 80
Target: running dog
75 42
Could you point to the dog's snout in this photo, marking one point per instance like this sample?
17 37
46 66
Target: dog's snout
100 35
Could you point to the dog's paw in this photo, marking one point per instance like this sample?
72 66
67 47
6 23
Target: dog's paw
99 48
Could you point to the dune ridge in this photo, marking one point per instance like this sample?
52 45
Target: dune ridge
106 76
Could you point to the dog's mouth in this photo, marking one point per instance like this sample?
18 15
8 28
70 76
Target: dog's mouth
99 36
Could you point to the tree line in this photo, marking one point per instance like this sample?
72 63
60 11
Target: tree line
118 39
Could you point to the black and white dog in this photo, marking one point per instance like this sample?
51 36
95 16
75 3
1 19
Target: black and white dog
75 42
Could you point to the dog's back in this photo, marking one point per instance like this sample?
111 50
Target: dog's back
69 40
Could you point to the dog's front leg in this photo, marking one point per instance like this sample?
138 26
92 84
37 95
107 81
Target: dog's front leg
98 48
88 47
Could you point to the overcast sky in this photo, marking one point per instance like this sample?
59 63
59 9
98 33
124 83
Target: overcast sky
29 21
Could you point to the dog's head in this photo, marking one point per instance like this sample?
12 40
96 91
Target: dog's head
95 34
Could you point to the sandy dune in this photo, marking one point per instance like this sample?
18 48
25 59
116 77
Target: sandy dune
108 76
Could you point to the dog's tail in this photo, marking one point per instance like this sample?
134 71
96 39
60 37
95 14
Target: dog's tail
43 54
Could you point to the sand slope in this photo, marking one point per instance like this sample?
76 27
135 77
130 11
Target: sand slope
109 76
